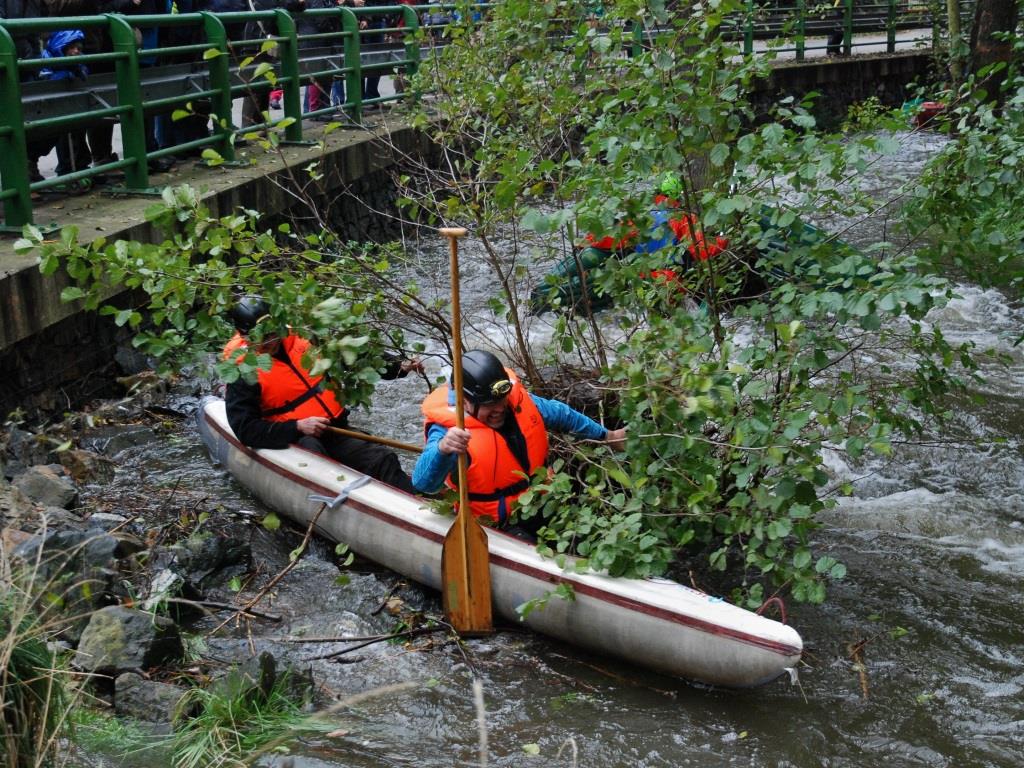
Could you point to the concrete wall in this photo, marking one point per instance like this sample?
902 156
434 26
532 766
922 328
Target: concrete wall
51 352
845 80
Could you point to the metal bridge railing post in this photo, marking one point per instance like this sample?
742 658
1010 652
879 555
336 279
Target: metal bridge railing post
412 45
353 63
748 28
14 175
129 93
220 81
801 29
890 28
847 27
289 50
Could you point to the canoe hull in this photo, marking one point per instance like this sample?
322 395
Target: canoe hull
653 623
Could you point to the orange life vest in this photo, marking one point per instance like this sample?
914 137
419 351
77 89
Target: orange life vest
287 391
496 478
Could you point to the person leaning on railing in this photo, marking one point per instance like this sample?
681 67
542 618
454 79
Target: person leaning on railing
97 40
27 46
257 101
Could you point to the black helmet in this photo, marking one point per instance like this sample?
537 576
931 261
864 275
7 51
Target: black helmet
484 378
248 311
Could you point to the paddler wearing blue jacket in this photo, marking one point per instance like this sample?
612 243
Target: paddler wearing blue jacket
505 436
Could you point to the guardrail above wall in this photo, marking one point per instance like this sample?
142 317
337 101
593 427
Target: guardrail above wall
264 52
218 58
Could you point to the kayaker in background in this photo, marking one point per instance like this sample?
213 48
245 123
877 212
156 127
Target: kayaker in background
287 405
505 436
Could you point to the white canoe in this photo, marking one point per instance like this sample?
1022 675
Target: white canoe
654 623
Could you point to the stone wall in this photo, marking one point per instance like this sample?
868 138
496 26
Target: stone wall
844 80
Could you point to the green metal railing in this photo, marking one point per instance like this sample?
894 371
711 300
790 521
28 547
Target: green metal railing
801 25
234 68
237 52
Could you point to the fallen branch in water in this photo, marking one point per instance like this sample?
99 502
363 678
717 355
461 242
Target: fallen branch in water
857 654
221 607
370 640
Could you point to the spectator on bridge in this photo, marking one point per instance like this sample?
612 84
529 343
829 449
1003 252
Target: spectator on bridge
72 150
27 46
149 37
399 37
338 85
834 43
435 19
170 132
97 40
257 102
371 82
318 92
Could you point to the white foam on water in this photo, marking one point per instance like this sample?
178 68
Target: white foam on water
982 529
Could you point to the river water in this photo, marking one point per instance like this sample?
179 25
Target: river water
934 600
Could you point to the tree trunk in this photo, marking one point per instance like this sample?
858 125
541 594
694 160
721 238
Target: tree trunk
956 68
990 18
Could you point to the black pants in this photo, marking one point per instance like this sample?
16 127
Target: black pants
374 460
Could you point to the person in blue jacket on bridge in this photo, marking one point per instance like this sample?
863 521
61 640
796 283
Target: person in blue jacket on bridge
72 150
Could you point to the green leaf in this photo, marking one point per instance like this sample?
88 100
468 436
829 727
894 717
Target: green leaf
211 53
271 522
719 154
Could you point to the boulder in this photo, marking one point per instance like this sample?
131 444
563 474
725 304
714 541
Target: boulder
46 486
106 521
115 438
79 568
253 679
87 467
60 519
120 639
16 509
202 555
142 699
26 449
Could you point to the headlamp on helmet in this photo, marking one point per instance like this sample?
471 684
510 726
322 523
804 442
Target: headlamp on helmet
484 378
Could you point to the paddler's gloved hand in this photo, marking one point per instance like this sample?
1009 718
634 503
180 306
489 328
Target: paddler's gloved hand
455 440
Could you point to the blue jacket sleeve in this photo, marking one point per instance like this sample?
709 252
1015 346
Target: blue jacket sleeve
433 467
561 418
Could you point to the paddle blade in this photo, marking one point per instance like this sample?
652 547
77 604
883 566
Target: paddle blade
466 578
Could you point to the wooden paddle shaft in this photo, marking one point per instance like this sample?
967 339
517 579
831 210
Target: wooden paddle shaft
453 234
465 566
375 439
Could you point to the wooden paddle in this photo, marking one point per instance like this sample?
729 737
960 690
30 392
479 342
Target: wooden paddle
465 565
375 439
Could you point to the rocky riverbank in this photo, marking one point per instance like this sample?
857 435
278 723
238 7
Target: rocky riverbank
152 591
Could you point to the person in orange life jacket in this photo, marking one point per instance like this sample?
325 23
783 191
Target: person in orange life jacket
287 405
505 436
